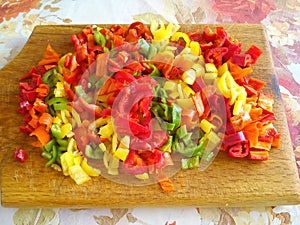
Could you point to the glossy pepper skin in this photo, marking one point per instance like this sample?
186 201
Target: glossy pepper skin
20 155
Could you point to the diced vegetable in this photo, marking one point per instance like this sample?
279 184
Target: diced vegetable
129 97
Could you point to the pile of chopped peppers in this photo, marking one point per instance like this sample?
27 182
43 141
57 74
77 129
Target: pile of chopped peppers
131 97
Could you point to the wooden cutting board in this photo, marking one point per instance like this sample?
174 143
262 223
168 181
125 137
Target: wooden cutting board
227 182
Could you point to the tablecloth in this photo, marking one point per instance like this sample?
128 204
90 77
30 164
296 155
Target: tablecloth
282 24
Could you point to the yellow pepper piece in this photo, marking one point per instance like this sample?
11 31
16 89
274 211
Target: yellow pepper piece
77 159
71 145
106 131
93 172
189 76
238 107
59 91
143 176
121 153
213 137
125 142
78 174
187 90
159 31
114 142
178 35
211 68
102 147
113 171
186 103
210 76
57 120
180 91
69 158
222 69
195 47
64 164
114 162
65 116
170 85
199 69
222 84
66 129
213 141
206 126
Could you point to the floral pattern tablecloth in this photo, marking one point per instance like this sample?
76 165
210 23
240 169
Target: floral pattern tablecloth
281 19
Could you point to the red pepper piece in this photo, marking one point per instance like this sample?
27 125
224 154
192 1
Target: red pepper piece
29 74
50 57
221 37
39 105
132 35
255 53
239 150
134 164
124 77
195 35
197 100
242 60
42 90
199 84
135 67
260 155
208 34
20 155
256 83
206 46
26 129
71 77
92 109
236 144
215 55
70 93
153 158
233 49
101 67
28 95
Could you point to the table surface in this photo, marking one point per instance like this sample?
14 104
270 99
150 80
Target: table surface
281 20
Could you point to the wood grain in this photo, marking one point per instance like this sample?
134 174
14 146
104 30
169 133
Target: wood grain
226 182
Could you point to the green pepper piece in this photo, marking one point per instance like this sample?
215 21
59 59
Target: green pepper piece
62 148
48 146
187 139
176 114
207 156
167 146
157 110
200 147
152 52
93 154
165 111
170 126
190 163
155 71
81 93
62 142
99 38
56 131
181 131
47 155
57 100
54 156
46 76
60 106
100 82
144 46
